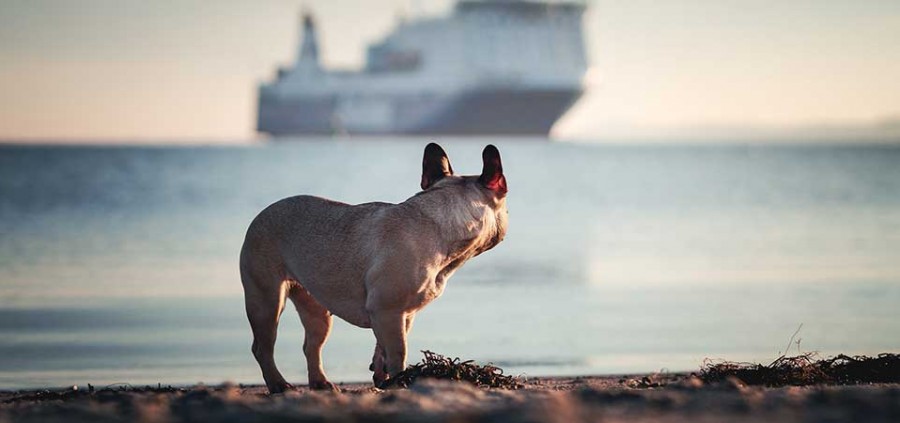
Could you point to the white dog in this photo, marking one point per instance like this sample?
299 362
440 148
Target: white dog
374 265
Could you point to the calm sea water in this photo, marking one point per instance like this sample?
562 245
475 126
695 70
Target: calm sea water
119 264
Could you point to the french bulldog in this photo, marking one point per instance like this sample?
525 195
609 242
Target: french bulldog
374 265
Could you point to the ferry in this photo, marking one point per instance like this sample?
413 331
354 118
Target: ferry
489 67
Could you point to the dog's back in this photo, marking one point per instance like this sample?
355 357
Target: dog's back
321 244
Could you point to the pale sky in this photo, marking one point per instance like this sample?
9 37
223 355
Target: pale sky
173 70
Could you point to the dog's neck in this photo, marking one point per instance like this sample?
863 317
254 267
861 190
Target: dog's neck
466 218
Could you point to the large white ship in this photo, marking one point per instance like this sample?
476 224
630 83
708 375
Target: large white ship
490 67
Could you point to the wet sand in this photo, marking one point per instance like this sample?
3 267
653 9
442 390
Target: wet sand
678 398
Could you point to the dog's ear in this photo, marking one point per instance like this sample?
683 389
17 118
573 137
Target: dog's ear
435 165
492 173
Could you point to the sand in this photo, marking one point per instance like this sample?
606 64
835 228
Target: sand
679 398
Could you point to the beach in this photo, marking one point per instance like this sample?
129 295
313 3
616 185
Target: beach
678 398
568 210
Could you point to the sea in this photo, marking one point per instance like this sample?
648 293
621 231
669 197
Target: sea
119 264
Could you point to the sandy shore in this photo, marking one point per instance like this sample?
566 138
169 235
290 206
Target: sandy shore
610 399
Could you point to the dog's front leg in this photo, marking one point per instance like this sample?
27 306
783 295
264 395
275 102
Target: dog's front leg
378 362
378 366
390 333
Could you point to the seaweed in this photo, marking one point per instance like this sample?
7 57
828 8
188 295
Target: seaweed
807 369
436 366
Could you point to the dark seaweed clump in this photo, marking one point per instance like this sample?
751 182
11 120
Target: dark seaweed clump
436 366
806 369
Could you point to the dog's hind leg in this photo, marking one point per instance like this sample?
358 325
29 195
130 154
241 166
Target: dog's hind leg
316 325
264 307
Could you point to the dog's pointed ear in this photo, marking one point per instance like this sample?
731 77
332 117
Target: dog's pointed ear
492 173
435 165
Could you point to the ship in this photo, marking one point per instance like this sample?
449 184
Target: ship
488 67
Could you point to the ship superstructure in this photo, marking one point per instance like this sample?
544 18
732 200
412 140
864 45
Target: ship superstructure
490 67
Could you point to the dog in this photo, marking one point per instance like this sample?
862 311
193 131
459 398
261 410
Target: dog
374 265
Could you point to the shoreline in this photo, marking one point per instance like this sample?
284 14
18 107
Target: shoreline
660 397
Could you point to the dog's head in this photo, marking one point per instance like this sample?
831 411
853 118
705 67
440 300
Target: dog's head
486 191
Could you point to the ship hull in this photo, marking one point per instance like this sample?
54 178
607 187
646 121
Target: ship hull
502 112
481 112
311 116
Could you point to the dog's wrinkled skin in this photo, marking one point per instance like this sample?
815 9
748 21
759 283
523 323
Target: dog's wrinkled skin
374 265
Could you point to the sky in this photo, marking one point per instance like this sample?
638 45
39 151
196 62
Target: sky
187 70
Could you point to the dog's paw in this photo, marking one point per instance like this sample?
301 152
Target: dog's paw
324 386
380 381
389 384
280 388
